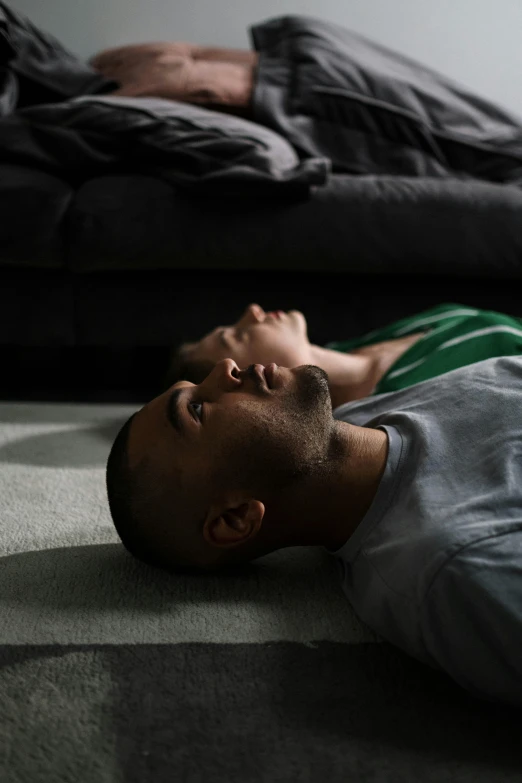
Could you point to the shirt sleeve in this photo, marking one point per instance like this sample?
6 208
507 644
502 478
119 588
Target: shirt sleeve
471 618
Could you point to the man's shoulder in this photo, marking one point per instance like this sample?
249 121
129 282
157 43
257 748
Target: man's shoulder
494 377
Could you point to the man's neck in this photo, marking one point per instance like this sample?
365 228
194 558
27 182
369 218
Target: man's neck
333 502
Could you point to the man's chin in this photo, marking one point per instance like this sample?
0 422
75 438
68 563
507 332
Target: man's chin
309 379
299 321
313 370
315 380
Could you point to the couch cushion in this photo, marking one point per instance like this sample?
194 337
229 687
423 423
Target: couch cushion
33 205
373 225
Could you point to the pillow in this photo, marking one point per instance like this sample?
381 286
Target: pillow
181 72
45 70
183 144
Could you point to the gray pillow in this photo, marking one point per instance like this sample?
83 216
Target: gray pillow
186 145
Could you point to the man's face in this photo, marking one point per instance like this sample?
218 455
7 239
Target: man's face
257 429
257 337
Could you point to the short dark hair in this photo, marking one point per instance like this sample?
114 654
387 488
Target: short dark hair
122 488
183 367
132 495
127 495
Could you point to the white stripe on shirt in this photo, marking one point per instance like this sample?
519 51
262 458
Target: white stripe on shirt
431 318
487 330
408 367
456 341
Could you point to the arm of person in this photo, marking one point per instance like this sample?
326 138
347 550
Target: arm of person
218 54
212 76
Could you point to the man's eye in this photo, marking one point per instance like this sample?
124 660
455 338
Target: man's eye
197 405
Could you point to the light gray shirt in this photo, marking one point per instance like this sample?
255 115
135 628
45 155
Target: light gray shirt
435 565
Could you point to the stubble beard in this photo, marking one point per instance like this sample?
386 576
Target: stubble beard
288 443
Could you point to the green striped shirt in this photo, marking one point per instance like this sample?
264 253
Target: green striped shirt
454 336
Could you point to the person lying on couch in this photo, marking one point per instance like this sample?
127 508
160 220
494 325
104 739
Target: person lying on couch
405 352
212 76
417 494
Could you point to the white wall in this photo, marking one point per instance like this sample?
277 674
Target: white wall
477 42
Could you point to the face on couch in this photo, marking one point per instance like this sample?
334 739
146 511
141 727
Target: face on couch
257 337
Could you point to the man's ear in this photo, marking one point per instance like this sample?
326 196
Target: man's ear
235 525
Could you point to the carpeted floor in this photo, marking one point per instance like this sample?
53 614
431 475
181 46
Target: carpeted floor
112 671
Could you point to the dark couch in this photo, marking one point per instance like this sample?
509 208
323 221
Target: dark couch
101 275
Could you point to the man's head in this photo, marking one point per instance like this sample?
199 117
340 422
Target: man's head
256 337
204 475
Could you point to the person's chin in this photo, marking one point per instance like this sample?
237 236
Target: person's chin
314 371
308 381
315 375
299 320
313 384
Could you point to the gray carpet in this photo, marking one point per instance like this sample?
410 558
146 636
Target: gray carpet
113 671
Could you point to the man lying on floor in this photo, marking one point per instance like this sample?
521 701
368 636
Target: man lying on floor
417 493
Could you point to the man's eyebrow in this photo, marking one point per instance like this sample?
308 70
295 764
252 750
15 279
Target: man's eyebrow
174 412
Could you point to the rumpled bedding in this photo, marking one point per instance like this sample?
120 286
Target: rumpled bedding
324 101
58 115
371 110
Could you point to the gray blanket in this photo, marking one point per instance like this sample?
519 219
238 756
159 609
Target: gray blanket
371 110
325 100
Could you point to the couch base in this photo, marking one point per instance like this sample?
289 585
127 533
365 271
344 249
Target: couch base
152 309
82 373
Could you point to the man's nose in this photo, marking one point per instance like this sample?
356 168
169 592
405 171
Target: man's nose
254 313
225 375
